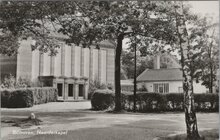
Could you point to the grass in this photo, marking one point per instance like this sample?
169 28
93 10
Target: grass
205 135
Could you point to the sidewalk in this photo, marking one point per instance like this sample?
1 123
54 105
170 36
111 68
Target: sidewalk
53 107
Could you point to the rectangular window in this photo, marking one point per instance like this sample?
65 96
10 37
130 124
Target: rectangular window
180 89
161 87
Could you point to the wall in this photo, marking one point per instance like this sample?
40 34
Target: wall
69 61
24 60
110 66
35 65
174 86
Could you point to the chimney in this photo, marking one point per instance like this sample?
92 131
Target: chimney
157 61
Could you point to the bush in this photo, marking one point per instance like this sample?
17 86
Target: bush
16 98
154 102
102 99
44 95
20 98
10 82
95 85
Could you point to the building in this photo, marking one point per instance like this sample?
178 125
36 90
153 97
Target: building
166 77
127 85
70 70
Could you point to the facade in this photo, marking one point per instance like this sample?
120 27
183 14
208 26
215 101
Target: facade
165 80
127 85
70 70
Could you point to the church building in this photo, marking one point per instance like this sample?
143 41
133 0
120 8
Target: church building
70 70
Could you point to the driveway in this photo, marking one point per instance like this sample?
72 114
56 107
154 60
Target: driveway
74 120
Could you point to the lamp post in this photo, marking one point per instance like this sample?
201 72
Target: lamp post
135 82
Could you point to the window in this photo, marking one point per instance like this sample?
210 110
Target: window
180 89
161 87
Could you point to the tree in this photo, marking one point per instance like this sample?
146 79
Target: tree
204 45
210 61
190 115
143 63
115 21
21 20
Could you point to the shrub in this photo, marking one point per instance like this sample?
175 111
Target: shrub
143 88
95 85
154 102
10 82
102 99
175 101
44 95
20 98
105 99
16 98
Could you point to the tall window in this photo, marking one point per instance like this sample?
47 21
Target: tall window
161 87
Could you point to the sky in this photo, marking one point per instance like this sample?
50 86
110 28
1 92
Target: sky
203 8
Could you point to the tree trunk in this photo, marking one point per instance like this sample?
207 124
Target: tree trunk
118 73
190 115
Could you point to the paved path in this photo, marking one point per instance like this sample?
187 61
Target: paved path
54 107
82 124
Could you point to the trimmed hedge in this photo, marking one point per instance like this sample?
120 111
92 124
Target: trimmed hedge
154 102
102 99
20 98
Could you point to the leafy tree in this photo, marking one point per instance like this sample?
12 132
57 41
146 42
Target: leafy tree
186 59
210 61
143 63
115 21
204 50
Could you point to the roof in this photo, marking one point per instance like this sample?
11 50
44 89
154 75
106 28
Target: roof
174 74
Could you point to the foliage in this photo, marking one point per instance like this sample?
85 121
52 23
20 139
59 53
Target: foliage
143 88
102 99
16 98
20 98
10 82
128 63
156 102
95 85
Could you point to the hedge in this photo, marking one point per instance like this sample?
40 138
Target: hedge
20 98
154 102
102 99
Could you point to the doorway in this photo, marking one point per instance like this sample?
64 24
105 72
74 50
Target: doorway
60 89
80 90
70 90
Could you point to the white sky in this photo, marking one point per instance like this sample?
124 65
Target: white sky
205 7
209 8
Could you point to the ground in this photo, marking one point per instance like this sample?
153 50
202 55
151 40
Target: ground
75 121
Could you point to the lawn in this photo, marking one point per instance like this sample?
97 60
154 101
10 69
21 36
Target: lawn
91 125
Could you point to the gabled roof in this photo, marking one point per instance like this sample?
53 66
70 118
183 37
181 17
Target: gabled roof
174 74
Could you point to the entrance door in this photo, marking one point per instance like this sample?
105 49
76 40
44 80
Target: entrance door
80 90
60 89
70 90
